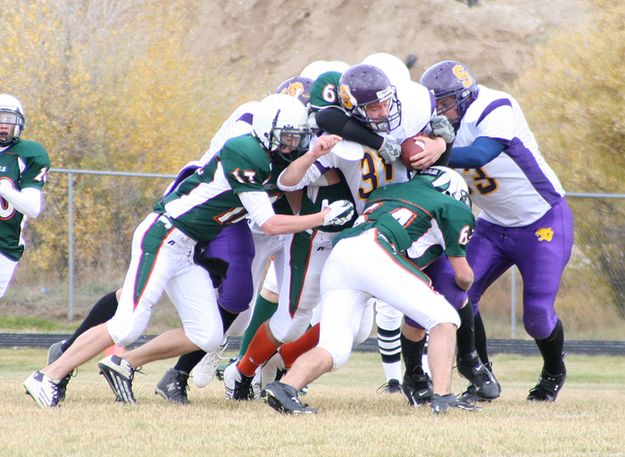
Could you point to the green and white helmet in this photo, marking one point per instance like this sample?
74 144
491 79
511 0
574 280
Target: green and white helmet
12 113
449 182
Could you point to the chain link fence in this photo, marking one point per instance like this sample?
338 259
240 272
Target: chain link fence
80 248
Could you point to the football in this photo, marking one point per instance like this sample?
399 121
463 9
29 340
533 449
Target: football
410 147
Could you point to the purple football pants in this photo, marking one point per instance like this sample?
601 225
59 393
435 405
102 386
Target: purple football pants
444 282
235 245
540 251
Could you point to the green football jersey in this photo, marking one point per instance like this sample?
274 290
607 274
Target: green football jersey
24 164
415 215
324 91
207 200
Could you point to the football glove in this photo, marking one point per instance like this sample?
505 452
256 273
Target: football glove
390 150
441 126
341 212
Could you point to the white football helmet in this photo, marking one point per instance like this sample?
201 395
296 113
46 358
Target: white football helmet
394 67
449 182
11 113
314 69
281 125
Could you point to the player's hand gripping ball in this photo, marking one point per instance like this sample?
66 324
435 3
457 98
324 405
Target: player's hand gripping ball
410 147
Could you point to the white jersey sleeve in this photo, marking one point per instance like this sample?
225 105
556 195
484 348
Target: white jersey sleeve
239 123
517 187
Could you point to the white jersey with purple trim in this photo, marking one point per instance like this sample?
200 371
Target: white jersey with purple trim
518 186
370 172
239 123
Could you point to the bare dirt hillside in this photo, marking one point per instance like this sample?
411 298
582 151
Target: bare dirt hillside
274 39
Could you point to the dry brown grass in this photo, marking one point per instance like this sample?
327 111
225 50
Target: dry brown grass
586 420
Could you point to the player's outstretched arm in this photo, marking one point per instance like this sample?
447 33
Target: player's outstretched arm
463 272
301 172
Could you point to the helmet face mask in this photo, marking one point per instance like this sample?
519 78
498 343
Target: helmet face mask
288 143
454 87
367 94
281 125
11 114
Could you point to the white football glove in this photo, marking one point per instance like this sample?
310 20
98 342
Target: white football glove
341 212
441 126
390 150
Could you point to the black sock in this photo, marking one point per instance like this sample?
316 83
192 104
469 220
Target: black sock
465 334
101 312
551 349
480 338
412 352
227 318
186 362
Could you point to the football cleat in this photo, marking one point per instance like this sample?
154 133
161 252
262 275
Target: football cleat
238 386
417 388
42 389
119 374
471 395
393 386
471 367
219 372
54 352
284 399
441 403
548 386
173 387
204 372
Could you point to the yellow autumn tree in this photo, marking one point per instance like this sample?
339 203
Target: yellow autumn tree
108 86
574 97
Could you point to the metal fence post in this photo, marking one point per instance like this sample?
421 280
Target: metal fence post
70 243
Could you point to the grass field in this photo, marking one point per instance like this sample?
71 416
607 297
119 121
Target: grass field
587 420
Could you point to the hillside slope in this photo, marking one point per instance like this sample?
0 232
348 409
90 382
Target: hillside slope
277 38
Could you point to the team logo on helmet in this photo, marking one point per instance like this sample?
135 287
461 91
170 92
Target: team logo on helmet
295 89
348 101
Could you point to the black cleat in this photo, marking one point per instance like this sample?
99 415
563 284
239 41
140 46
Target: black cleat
548 386
391 387
441 403
417 388
284 399
173 387
471 367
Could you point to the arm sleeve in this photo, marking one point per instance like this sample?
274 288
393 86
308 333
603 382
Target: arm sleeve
258 206
482 151
336 121
312 175
27 202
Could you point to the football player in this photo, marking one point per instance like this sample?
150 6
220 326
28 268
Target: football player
525 219
395 218
365 91
24 166
230 186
